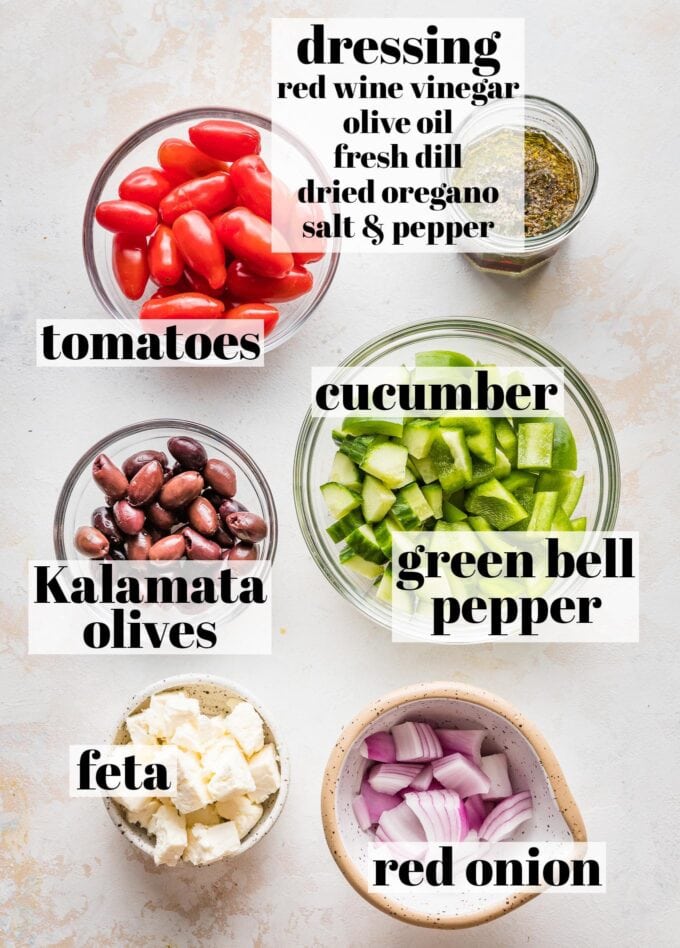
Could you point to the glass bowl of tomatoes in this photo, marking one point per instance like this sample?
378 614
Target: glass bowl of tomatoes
138 257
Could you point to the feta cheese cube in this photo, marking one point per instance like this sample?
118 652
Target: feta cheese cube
191 793
142 816
209 843
169 828
264 770
226 770
198 737
208 815
173 708
245 724
144 727
241 811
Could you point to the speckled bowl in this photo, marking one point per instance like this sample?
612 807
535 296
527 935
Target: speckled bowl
532 766
216 696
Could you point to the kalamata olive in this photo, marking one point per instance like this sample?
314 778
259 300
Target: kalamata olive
138 546
181 490
229 507
160 517
223 537
246 526
202 516
221 476
130 519
241 551
109 478
115 553
199 547
169 548
91 542
102 519
145 484
213 497
137 461
189 452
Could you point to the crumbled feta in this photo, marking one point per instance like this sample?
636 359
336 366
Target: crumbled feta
265 772
209 843
192 792
241 811
143 727
226 770
169 828
208 815
143 816
245 724
172 709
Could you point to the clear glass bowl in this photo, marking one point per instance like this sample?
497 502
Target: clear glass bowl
80 495
140 149
485 341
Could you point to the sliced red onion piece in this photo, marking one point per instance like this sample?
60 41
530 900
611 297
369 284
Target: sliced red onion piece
441 814
506 817
374 804
461 742
391 778
379 747
416 741
477 809
360 808
423 779
400 825
457 772
495 766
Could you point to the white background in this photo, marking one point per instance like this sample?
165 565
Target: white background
80 77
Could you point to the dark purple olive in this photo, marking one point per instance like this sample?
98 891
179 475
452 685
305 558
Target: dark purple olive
229 507
221 476
213 497
102 519
223 537
246 526
199 547
137 461
109 478
241 551
189 452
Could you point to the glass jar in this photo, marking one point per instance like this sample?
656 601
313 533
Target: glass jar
517 256
486 342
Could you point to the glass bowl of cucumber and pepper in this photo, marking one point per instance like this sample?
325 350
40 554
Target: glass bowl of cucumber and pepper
359 479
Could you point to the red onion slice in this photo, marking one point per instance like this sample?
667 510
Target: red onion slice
416 741
462 742
391 778
506 817
379 747
495 766
457 772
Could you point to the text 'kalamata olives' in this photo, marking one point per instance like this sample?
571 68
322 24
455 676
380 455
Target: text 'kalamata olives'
169 510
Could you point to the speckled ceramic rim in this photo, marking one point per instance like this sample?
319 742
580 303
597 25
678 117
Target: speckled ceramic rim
231 690
288 328
397 699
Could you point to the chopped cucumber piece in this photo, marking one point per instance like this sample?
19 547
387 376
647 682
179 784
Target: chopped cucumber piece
357 448
376 499
535 445
452 513
451 459
418 437
442 357
496 504
411 509
344 471
359 565
386 461
384 593
383 534
339 499
452 527
425 469
567 485
545 508
434 495
382 426
343 527
363 542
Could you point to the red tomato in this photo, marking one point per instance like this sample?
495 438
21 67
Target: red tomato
300 213
163 292
200 247
166 265
198 284
129 264
182 306
250 239
246 286
146 185
210 194
225 139
127 217
174 154
256 186
268 314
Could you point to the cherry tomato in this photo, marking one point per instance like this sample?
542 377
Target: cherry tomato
163 292
146 185
129 264
301 213
174 154
200 247
268 314
127 217
256 187
210 194
225 139
198 284
166 265
248 287
250 239
182 306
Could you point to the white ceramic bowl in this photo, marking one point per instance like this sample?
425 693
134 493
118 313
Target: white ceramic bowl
532 766
215 696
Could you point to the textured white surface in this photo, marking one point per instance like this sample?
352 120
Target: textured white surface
80 77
